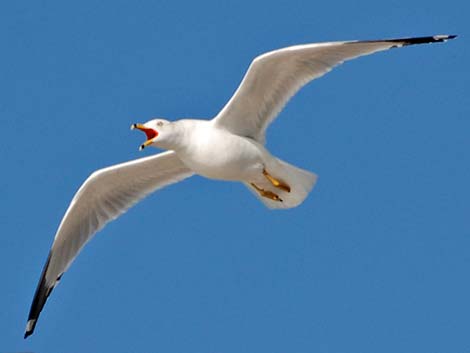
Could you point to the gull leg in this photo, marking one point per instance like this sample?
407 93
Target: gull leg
266 193
275 182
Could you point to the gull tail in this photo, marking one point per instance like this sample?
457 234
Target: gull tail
300 181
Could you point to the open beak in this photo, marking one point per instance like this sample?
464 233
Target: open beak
150 133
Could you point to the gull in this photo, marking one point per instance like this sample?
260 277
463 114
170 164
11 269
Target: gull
231 146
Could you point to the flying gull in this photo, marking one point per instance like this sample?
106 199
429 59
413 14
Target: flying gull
231 146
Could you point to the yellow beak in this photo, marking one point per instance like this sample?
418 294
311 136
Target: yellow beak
151 134
145 144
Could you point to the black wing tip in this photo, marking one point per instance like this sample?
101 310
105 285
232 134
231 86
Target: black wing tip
29 328
439 38
40 296
402 42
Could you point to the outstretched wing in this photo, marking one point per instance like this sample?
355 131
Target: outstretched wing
105 195
274 77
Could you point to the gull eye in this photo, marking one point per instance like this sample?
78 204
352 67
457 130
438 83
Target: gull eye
160 123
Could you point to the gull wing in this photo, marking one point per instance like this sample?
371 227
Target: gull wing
274 77
104 196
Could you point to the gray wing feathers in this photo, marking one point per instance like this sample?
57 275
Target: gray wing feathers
273 78
104 196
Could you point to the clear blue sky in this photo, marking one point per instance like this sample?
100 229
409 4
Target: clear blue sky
376 260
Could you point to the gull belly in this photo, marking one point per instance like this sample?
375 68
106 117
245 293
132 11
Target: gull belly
218 154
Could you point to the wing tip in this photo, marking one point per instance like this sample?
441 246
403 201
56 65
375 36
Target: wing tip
40 297
29 328
403 42
438 38
444 37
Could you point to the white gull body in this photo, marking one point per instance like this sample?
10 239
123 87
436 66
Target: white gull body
211 151
214 152
228 147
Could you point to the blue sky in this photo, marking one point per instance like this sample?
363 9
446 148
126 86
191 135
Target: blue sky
376 259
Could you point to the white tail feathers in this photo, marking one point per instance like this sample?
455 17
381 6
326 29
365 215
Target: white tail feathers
300 181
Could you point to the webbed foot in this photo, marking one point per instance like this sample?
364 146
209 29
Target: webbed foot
277 183
266 193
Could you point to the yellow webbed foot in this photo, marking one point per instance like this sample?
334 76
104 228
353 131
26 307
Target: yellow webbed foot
277 183
266 193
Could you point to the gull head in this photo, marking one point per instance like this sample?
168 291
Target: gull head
156 130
